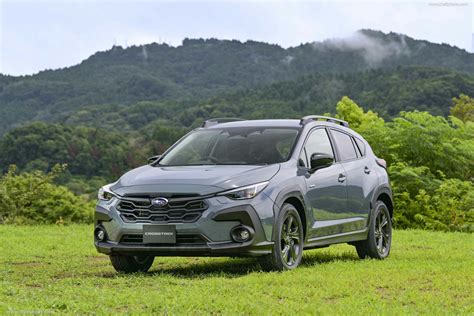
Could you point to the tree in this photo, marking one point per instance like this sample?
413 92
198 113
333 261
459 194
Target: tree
463 108
358 119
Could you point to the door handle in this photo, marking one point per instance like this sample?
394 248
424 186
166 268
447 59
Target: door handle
366 170
341 178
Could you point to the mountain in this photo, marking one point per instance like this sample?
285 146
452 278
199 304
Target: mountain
386 91
199 69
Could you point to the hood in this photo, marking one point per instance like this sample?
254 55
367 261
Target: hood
190 180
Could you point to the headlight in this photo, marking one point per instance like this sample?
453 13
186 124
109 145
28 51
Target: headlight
246 192
105 193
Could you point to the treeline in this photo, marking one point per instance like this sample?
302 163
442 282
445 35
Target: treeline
430 159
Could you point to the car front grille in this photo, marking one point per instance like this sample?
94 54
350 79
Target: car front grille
179 210
181 239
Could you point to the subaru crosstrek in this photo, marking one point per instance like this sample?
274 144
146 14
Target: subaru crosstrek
263 188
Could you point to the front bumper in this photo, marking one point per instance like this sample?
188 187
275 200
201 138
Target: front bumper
207 250
212 229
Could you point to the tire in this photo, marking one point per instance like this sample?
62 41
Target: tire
379 239
131 264
288 248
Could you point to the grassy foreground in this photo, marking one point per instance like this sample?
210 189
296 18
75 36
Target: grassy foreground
47 269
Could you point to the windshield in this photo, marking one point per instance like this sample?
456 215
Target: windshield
233 146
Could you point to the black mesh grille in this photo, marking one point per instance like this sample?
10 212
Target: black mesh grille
141 210
183 239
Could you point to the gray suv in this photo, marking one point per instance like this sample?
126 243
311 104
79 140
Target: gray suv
263 188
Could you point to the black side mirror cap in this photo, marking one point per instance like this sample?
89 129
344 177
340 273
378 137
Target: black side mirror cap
152 159
320 161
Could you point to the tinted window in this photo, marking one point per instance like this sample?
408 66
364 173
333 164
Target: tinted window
344 145
318 142
233 146
360 145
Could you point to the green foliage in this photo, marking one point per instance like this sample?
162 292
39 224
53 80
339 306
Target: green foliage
431 165
463 108
161 136
87 151
94 156
430 158
386 92
348 110
32 198
446 146
423 201
81 185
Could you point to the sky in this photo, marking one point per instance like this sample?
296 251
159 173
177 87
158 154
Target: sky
43 34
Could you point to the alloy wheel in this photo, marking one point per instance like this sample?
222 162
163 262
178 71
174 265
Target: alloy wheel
290 240
382 232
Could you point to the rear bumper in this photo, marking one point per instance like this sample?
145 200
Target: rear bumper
207 250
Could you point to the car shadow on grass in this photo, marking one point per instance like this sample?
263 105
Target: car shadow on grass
234 267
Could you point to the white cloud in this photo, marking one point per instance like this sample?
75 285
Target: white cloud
372 49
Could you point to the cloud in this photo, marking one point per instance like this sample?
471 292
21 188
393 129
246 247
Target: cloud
287 60
373 49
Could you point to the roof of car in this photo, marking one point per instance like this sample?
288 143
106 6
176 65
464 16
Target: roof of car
290 123
259 123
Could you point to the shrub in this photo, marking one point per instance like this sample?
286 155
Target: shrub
431 163
32 198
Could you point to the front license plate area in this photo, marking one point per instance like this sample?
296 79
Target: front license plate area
159 234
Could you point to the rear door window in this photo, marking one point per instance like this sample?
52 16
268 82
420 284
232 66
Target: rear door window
344 145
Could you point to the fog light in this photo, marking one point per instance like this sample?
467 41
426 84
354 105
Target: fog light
241 233
244 234
99 234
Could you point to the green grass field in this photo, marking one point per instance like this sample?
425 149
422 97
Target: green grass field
47 269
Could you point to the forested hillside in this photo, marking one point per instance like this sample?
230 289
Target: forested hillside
430 162
120 79
65 133
386 91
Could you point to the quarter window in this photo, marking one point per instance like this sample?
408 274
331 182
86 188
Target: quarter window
344 145
360 144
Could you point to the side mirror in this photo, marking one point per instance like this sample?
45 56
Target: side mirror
152 159
320 161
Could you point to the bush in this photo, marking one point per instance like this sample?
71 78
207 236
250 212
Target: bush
430 163
424 201
32 198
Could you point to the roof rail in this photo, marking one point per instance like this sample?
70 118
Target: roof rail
215 121
310 118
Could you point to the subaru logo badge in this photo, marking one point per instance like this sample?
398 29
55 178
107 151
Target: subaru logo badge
160 202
